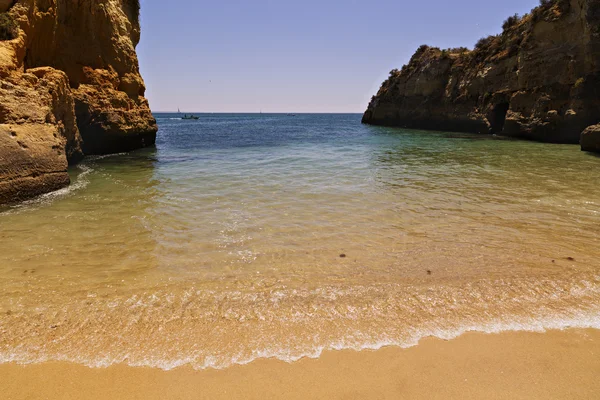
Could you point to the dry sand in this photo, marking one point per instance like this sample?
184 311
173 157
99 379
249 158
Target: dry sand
553 365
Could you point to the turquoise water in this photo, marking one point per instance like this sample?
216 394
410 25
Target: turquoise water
248 236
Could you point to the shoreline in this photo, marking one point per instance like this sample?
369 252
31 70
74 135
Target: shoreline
510 365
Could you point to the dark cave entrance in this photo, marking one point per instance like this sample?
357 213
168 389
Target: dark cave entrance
498 117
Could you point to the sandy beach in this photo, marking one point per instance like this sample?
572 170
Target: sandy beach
243 203
513 365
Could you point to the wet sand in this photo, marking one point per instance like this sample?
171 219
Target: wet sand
513 365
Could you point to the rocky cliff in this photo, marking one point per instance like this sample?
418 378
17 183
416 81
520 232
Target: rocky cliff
69 85
538 80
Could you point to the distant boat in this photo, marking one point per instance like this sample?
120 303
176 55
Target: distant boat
291 115
185 116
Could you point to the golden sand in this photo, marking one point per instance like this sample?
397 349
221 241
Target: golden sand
514 365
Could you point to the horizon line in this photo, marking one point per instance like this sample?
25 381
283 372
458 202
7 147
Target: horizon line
251 112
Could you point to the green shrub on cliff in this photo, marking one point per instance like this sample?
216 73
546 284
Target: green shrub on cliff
458 50
394 72
563 5
511 21
484 42
8 27
560 3
422 49
550 10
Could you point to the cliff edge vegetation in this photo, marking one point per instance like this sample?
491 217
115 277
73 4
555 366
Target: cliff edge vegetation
539 80
69 85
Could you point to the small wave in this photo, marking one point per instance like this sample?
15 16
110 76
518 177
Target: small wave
216 330
102 157
81 182
289 355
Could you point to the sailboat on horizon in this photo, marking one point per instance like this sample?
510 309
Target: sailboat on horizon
185 116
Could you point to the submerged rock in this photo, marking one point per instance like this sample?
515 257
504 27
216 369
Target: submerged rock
590 139
69 85
537 80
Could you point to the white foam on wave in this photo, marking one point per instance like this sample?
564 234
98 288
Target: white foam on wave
89 159
163 349
81 182
285 355
577 320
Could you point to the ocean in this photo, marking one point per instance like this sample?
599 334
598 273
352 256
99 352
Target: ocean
246 236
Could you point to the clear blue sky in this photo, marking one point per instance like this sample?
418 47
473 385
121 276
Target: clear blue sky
296 56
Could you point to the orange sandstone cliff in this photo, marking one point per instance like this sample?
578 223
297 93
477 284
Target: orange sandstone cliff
69 86
538 80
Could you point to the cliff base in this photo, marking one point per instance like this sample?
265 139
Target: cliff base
69 85
538 80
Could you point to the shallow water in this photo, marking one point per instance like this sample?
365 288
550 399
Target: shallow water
224 244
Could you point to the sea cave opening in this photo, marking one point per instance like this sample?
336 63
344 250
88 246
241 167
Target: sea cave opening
499 117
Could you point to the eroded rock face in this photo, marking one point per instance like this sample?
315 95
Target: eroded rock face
539 80
69 85
38 133
94 41
111 114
